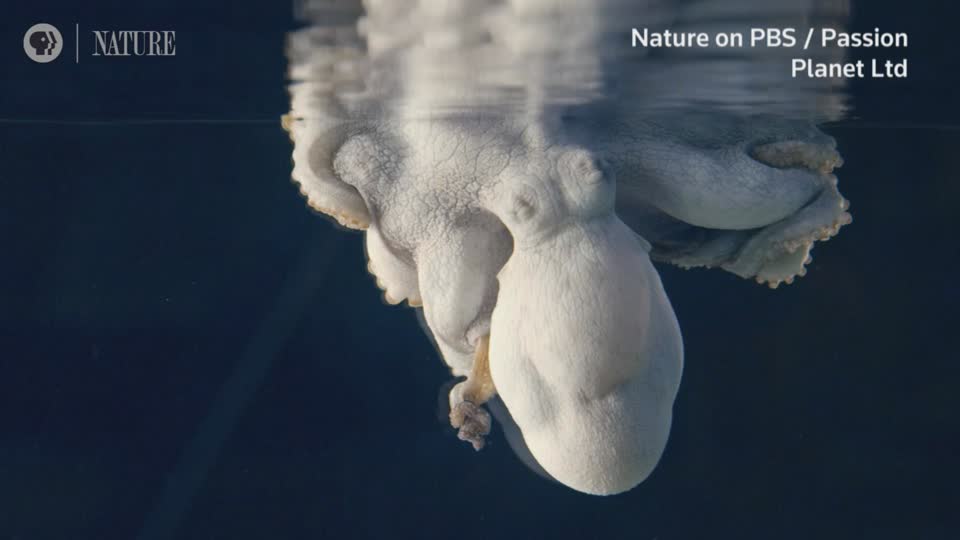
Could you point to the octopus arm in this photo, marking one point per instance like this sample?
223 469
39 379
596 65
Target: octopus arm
457 281
395 277
778 253
315 145
752 200
775 254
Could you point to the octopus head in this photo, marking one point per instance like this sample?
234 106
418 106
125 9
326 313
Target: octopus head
585 350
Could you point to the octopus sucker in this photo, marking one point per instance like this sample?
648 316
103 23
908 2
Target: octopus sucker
815 157
346 220
286 121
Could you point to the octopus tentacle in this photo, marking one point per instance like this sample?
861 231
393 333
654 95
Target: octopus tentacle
770 255
313 170
396 278
458 285
466 398
777 254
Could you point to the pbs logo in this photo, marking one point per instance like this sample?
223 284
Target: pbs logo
43 43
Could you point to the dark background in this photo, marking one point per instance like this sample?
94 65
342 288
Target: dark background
187 352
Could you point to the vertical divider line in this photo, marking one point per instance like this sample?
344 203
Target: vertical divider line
76 48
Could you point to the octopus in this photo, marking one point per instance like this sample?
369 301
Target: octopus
529 240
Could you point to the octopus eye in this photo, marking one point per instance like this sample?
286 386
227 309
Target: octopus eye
585 168
523 209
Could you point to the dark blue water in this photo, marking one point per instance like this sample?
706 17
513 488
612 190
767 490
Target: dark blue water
187 352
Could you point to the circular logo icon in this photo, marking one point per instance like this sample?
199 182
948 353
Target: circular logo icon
43 43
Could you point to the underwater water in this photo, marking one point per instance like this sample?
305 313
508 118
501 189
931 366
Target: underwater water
187 351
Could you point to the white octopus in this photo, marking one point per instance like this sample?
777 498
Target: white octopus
527 238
